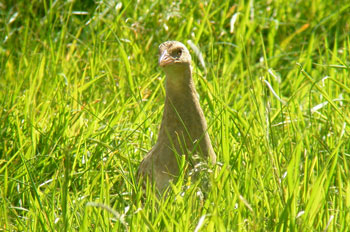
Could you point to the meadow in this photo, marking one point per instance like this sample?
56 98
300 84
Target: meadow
81 100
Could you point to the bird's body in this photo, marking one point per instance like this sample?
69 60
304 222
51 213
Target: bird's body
183 130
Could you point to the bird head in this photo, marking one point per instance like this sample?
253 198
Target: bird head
174 55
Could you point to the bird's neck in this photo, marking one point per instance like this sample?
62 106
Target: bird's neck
179 82
181 94
182 114
183 128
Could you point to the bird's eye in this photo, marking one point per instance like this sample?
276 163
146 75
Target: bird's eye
177 53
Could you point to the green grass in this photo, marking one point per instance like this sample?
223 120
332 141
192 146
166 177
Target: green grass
81 99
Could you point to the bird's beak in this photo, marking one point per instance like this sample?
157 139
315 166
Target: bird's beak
165 59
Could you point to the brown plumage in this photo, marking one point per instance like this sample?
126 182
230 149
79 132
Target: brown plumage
183 130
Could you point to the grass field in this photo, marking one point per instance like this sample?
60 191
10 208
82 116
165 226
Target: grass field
81 99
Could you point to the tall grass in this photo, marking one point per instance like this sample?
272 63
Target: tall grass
81 99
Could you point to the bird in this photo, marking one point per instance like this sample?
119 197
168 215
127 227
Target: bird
183 129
